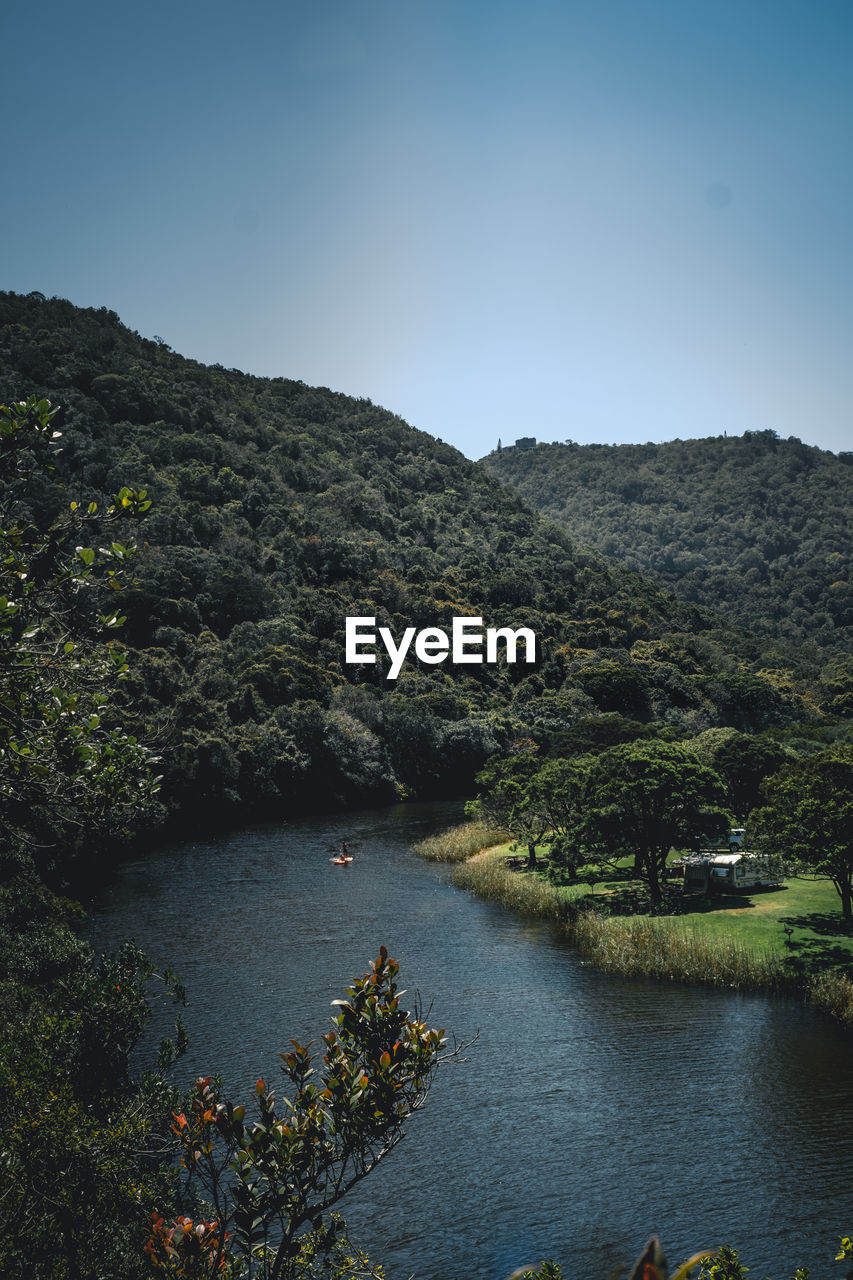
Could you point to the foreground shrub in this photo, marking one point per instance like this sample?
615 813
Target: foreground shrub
717 1264
270 1179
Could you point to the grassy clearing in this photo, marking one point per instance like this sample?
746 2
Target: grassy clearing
810 909
788 940
458 843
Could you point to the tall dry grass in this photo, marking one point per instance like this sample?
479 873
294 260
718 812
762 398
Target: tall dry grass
832 993
458 843
521 891
638 946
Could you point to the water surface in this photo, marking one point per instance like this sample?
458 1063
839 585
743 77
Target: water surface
591 1111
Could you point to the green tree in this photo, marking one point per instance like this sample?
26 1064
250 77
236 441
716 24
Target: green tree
836 683
746 701
84 1147
533 799
615 687
644 798
510 799
85 1152
744 762
70 769
558 789
809 816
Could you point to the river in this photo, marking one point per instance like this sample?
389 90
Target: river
590 1113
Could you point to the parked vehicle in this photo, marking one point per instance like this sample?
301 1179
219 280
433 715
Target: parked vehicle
723 872
722 840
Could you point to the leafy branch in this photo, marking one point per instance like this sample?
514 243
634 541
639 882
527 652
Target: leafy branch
270 1180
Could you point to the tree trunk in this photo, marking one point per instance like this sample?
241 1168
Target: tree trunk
531 854
653 879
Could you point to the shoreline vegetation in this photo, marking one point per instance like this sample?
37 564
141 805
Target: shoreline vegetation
462 842
666 948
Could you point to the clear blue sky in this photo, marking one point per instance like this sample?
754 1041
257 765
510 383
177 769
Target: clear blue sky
603 221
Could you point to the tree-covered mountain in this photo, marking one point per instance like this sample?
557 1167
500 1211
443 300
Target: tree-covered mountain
278 510
753 526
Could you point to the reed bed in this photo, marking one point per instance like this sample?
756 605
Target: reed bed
521 891
642 947
832 992
459 843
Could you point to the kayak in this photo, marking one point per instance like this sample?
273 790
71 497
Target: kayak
341 861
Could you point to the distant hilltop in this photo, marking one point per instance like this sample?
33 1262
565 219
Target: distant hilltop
753 525
525 443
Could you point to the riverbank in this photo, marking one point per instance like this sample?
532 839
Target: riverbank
788 941
596 1088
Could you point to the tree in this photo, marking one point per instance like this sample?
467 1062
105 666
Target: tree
615 687
809 816
85 1149
70 769
743 762
510 799
643 798
746 701
268 1181
558 789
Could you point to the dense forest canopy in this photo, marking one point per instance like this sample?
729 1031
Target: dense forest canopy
753 526
278 510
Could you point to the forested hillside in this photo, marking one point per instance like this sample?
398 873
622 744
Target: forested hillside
753 526
279 509
236 522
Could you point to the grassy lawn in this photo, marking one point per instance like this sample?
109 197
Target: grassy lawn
756 919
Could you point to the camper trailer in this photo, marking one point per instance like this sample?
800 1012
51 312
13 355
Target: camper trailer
724 872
